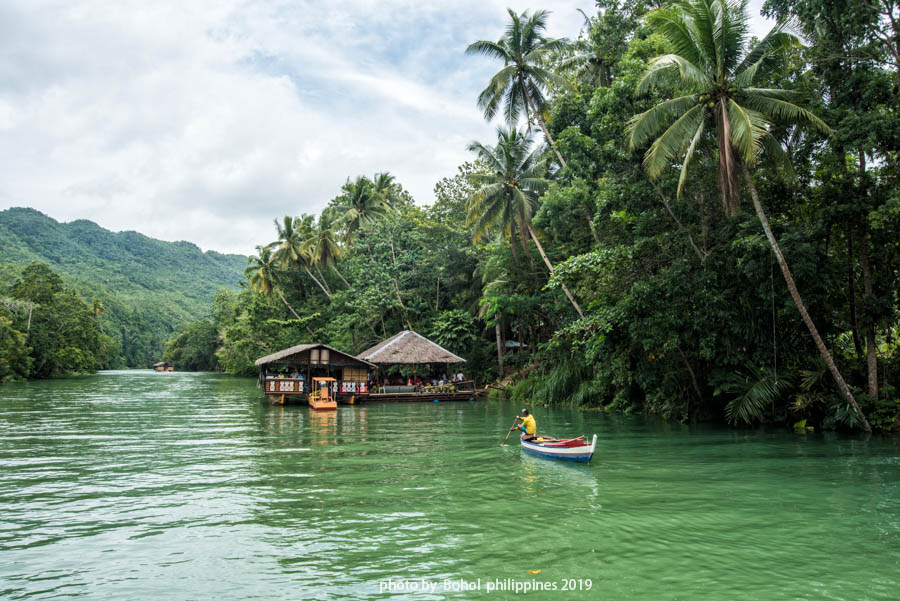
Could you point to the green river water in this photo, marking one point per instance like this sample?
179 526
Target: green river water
137 485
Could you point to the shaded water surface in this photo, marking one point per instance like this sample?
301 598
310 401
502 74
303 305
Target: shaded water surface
137 485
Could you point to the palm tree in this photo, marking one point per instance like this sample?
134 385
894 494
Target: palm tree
714 76
322 247
290 252
261 270
387 188
507 195
365 201
521 84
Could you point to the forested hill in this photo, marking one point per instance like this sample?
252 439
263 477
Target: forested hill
146 287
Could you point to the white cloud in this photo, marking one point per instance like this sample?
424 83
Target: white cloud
205 120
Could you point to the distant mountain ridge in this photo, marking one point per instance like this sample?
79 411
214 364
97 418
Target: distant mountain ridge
147 286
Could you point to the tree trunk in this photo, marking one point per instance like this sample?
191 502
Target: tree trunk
694 382
499 347
590 221
512 242
700 255
309 273
324 282
851 288
871 356
550 267
287 304
728 156
795 294
540 120
346 283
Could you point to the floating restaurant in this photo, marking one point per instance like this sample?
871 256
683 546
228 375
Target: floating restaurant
290 372
373 375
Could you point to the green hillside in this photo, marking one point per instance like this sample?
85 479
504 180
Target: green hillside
147 287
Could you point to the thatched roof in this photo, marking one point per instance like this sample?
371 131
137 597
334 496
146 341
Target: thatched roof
162 364
286 355
408 348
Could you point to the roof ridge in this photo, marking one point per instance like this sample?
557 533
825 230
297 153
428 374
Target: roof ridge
436 344
299 348
396 338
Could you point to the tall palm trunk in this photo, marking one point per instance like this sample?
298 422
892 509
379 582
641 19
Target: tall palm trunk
512 242
795 294
309 273
562 161
540 119
550 267
727 158
287 304
324 282
334 267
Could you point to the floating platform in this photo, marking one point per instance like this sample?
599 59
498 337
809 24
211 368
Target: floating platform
419 397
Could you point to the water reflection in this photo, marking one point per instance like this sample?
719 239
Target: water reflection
115 484
322 427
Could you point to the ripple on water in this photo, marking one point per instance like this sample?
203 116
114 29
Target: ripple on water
139 485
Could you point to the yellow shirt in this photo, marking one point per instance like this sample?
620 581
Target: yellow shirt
530 425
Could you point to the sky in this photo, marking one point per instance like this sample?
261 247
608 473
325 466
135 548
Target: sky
205 120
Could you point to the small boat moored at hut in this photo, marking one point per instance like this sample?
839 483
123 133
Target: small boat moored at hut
320 397
565 449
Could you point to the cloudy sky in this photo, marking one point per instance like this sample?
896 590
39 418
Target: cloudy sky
204 120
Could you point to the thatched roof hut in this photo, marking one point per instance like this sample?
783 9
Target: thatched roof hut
408 348
312 354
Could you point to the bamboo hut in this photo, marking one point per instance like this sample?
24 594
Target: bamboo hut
163 366
408 348
289 372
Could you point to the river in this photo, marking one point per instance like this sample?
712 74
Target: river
137 485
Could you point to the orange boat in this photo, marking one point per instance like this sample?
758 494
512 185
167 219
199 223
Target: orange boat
320 398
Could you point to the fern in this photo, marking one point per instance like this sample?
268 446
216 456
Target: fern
752 391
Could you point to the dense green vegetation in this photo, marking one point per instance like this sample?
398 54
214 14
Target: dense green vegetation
48 329
674 218
140 288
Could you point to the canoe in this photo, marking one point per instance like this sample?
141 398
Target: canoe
565 449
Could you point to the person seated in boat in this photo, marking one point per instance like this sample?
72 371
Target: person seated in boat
528 425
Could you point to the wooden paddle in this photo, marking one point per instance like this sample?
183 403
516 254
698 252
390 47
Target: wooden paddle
503 444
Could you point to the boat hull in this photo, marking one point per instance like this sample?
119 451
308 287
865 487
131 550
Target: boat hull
323 405
580 454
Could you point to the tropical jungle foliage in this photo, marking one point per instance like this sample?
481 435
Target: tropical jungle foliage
140 288
674 218
47 329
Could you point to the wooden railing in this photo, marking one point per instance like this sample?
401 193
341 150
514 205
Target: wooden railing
285 386
279 386
352 387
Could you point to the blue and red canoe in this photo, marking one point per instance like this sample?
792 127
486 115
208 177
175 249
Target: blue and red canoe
565 449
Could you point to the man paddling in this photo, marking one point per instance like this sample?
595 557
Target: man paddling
528 425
